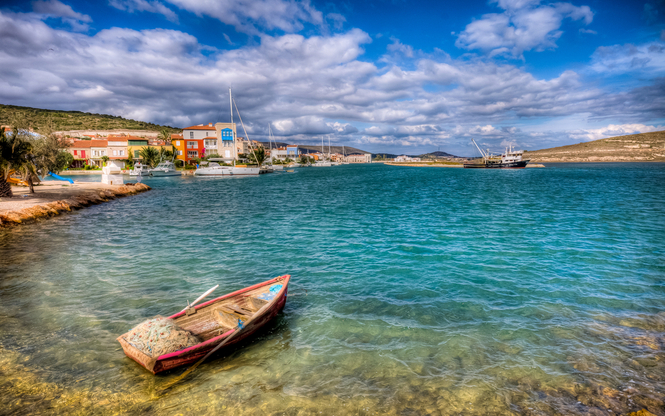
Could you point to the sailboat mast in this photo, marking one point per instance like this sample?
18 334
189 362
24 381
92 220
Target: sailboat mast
231 104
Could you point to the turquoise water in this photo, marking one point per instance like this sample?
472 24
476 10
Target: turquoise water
414 291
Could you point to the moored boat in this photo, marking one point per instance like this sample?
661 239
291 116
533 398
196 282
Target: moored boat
140 169
510 159
235 316
165 168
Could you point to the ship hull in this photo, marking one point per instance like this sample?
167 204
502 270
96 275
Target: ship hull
512 165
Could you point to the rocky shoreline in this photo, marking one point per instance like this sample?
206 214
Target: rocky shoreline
46 203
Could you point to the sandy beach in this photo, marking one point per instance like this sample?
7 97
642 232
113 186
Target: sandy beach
53 197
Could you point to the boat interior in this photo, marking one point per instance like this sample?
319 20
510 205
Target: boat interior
226 314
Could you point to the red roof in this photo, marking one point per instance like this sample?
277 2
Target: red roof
211 137
89 143
85 144
176 136
204 127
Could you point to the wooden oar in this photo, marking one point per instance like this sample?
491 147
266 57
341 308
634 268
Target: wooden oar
220 345
200 298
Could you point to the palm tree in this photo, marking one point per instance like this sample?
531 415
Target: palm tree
5 165
16 154
105 160
165 135
150 155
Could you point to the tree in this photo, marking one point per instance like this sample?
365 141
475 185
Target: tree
5 165
49 152
165 135
129 162
17 152
304 160
259 155
150 155
105 160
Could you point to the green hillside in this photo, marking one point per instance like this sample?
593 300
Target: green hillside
37 118
631 148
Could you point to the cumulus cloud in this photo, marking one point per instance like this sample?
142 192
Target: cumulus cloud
525 25
307 87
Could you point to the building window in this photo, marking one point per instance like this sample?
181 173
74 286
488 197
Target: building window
136 154
179 152
121 152
191 134
192 153
177 142
74 152
191 145
115 153
211 144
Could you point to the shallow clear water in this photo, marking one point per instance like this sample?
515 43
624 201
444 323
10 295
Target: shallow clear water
414 291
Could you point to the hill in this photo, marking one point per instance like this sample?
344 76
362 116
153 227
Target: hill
38 118
633 148
436 155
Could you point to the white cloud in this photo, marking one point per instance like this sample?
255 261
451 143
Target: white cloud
398 46
248 15
96 92
307 87
57 9
649 57
612 130
524 26
150 6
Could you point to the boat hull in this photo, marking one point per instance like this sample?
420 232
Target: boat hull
157 174
231 171
512 165
192 354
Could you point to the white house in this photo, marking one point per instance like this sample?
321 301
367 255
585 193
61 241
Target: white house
405 158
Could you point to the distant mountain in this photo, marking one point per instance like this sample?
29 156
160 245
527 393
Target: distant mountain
437 154
632 148
38 118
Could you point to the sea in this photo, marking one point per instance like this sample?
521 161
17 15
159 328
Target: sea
414 291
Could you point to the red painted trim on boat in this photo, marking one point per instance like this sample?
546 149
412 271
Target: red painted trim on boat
238 292
193 347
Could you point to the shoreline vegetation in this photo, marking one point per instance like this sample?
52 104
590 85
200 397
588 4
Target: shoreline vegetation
55 197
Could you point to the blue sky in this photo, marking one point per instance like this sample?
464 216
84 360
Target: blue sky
384 76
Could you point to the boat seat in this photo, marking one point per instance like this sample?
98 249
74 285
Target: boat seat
254 304
225 320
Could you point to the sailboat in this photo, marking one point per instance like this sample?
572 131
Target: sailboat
322 162
270 140
215 169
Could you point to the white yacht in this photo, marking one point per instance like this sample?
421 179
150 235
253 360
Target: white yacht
215 169
140 169
166 168
322 163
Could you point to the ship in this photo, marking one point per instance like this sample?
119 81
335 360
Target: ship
510 159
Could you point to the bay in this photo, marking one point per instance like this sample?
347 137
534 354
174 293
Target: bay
414 291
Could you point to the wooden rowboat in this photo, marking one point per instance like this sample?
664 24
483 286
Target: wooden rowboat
214 321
